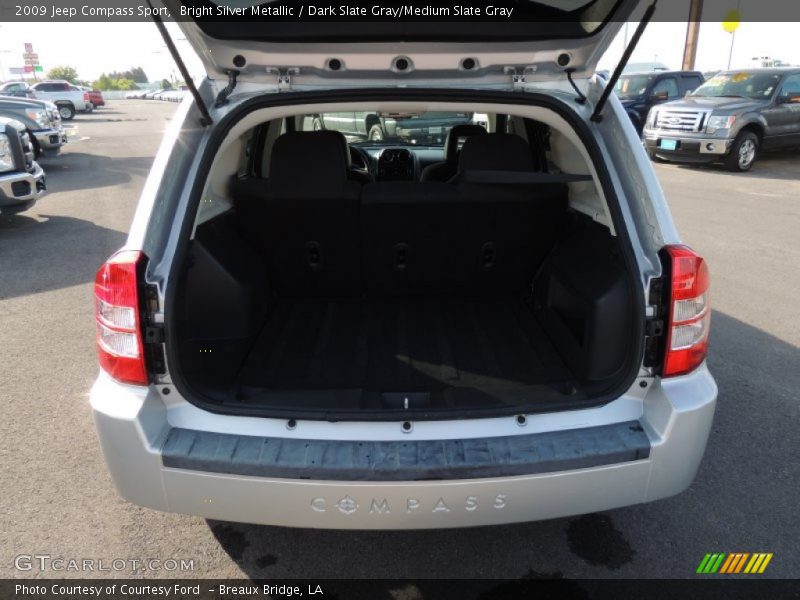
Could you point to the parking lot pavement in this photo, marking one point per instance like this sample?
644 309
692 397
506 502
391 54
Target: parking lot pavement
57 498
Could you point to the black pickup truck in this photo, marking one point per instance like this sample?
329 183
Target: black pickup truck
22 180
428 128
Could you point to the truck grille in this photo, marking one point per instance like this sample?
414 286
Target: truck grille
680 120
27 149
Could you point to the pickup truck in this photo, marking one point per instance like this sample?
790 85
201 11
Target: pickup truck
42 121
639 92
68 98
730 118
22 180
426 128
19 89
95 96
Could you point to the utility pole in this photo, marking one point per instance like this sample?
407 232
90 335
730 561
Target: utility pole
692 34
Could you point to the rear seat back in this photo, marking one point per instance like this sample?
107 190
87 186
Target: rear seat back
406 229
305 217
422 238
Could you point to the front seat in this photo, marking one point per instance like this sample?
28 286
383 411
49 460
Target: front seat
445 170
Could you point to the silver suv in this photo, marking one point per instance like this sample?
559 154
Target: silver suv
310 330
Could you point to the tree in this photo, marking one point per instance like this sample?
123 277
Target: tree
136 74
166 84
63 72
107 83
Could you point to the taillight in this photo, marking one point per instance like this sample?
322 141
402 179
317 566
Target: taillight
119 336
85 96
689 312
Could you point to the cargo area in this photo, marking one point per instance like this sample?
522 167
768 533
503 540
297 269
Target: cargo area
317 294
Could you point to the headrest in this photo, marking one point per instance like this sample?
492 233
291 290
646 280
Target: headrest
454 135
495 152
309 158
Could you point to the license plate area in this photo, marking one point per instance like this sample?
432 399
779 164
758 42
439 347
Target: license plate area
668 144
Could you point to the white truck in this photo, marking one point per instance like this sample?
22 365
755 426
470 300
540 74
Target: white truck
68 98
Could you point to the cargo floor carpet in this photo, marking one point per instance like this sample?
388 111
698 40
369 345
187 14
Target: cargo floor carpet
383 353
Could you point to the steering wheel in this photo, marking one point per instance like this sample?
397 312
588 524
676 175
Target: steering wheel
361 161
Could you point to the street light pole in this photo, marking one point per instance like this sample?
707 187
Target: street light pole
692 34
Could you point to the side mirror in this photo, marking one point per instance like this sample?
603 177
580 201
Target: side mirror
659 97
792 98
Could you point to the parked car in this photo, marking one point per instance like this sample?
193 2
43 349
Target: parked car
293 335
639 92
67 97
430 127
19 89
42 121
22 180
153 94
730 118
95 97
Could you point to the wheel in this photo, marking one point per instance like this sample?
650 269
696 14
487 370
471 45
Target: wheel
743 152
66 111
375 133
317 125
89 107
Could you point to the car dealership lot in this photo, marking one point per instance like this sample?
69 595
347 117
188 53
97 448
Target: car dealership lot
58 499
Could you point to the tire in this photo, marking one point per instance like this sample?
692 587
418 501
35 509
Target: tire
743 152
89 107
375 133
316 124
67 112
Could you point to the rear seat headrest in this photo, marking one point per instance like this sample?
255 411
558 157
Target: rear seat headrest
315 158
496 152
454 135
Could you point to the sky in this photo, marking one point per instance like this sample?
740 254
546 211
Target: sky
95 48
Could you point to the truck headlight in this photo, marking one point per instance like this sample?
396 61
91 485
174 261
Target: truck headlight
6 158
40 116
715 123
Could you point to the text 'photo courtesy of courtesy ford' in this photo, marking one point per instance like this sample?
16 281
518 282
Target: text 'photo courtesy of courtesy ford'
403 282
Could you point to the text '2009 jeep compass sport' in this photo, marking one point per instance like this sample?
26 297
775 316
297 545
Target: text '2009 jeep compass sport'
312 330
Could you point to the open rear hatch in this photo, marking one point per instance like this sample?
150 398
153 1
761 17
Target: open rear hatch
263 42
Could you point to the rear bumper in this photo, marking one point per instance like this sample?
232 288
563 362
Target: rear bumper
20 191
149 460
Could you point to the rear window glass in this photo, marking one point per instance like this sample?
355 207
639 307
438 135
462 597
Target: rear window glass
421 129
630 86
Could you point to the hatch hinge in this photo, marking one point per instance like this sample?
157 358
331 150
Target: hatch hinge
284 77
205 117
519 78
222 97
648 14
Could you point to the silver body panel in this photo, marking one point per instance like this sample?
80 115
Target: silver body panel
134 422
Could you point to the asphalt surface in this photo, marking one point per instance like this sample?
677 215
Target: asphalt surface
57 498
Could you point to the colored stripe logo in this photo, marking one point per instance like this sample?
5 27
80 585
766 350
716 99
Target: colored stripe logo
734 563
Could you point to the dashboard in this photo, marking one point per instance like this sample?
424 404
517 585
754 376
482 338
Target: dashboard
394 163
